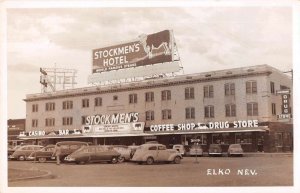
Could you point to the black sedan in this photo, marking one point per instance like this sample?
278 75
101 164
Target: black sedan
94 154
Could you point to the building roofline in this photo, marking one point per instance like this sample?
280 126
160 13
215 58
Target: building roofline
258 70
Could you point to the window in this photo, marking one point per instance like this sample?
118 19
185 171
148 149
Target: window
162 148
209 111
229 89
149 96
83 120
85 103
68 105
165 95
35 108
202 138
49 122
272 86
243 138
50 106
132 98
149 115
67 120
251 87
252 109
166 114
34 123
189 93
190 113
152 148
115 97
220 138
98 101
208 91
278 139
230 110
273 109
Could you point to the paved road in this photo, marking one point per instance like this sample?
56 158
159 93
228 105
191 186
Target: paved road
210 171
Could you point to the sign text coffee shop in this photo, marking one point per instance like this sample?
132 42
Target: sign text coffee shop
251 106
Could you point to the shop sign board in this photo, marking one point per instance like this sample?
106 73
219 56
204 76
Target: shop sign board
286 112
202 126
146 50
121 128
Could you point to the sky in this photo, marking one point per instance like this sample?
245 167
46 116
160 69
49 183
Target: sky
207 38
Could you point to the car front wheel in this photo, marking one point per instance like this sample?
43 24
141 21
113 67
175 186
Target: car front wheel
121 159
114 160
21 158
42 159
150 161
177 160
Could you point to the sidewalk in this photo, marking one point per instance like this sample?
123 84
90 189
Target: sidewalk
266 154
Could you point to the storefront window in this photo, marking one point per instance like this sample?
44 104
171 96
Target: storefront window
278 140
221 138
243 138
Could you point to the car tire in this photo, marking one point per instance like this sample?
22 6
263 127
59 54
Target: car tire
177 160
114 160
121 159
21 158
150 161
42 159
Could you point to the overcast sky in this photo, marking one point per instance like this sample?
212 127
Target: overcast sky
208 38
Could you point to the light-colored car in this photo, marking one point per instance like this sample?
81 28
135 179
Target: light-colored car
235 149
196 150
180 148
150 153
93 153
23 152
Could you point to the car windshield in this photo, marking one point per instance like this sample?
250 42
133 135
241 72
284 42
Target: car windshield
235 146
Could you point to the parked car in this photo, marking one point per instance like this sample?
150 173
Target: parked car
214 149
125 152
235 149
23 152
196 150
43 154
11 150
180 148
68 147
150 153
93 153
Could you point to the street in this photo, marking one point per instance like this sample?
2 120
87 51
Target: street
209 171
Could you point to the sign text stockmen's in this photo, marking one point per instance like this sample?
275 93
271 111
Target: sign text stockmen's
202 126
112 119
149 49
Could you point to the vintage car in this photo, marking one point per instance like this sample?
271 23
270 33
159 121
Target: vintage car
196 150
68 147
23 152
43 155
235 149
215 150
125 152
93 153
150 153
180 148
11 150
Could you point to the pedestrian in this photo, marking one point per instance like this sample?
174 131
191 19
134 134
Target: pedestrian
57 153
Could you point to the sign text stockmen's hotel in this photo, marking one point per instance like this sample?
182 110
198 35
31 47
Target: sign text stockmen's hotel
148 49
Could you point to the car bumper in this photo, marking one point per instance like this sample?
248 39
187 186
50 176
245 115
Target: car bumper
68 159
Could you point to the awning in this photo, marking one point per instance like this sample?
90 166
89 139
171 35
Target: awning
85 136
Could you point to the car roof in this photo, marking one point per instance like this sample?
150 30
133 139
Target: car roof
31 146
152 144
71 142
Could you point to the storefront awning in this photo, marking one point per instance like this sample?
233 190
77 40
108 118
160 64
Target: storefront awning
85 136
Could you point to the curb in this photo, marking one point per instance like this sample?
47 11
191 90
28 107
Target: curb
48 174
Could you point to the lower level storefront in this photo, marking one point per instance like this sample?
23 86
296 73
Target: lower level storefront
272 137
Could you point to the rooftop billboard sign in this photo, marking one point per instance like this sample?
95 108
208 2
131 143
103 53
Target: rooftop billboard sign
146 50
